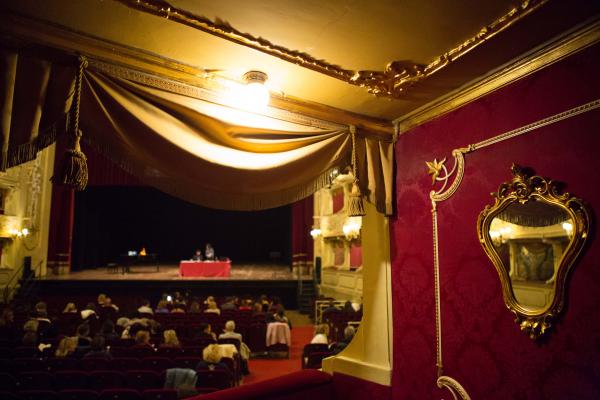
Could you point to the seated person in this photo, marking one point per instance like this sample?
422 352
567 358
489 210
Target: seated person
70 308
279 316
229 304
197 255
209 252
247 305
66 347
162 307
331 308
30 339
8 329
211 359
89 312
229 332
212 308
206 332
108 330
108 304
145 307
195 308
341 345
98 349
142 340
321 334
170 339
178 309
83 336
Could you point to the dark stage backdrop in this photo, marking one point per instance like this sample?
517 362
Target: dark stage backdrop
110 220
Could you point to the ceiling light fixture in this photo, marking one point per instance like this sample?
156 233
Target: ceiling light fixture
254 95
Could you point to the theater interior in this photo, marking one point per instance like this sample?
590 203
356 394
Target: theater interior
432 163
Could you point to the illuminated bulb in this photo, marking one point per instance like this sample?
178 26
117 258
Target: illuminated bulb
315 233
254 95
567 226
352 227
25 231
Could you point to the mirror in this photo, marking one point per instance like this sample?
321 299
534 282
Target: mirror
533 234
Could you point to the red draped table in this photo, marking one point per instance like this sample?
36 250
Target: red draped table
220 269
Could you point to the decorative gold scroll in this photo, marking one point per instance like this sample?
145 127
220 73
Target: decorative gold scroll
391 82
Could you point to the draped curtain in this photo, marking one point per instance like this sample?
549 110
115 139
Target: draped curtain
167 136
35 95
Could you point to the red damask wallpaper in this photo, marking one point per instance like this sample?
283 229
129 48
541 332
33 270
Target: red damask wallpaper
482 347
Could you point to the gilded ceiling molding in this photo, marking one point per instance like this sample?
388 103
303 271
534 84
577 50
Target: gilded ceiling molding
451 180
563 47
391 82
37 36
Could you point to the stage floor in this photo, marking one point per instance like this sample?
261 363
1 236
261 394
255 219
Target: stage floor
254 272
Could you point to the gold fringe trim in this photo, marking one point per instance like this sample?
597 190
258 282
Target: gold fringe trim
26 152
224 201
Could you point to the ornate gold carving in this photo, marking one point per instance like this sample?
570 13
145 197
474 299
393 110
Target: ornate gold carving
454 387
391 82
524 190
40 34
554 52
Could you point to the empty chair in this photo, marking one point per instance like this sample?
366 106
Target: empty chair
71 380
25 352
37 395
95 364
8 395
6 352
169 352
159 394
8 382
126 363
35 381
28 364
62 363
192 351
120 394
100 380
77 394
312 348
217 378
6 365
187 362
143 379
314 360
157 364
142 352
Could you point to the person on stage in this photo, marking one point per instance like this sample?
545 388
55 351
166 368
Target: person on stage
209 252
197 255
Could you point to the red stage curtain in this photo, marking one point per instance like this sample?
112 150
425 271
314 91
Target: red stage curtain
61 223
302 242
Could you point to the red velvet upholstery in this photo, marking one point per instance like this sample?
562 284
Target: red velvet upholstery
483 347
306 384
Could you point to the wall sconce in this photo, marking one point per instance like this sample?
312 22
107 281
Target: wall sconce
315 233
18 233
352 228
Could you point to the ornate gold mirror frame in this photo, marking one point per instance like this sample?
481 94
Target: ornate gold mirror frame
440 173
522 193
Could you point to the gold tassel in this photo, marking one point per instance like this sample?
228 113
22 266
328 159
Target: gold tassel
73 170
356 208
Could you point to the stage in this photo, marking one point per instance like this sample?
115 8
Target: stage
147 282
259 272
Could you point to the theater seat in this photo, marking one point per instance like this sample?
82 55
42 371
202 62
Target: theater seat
38 395
35 380
100 380
142 379
78 394
8 396
70 380
159 394
120 394
8 382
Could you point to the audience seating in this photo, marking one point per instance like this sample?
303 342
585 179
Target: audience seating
120 394
77 394
71 380
143 379
312 354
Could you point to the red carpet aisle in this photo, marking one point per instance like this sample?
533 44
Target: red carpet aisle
261 369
